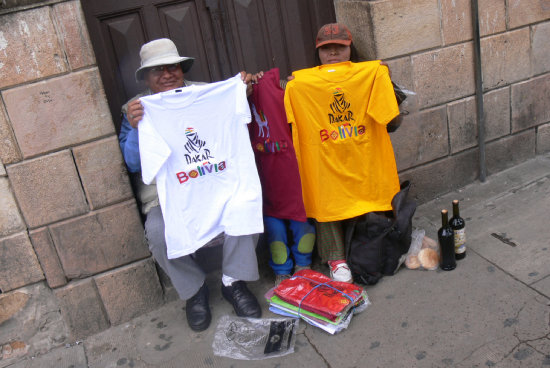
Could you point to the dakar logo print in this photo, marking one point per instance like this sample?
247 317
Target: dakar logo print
205 169
343 132
340 108
340 104
197 153
195 148
341 114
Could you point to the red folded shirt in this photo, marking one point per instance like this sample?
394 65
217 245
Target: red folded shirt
317 293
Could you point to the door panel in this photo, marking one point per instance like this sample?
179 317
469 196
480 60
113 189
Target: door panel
126 35
180 23
224 37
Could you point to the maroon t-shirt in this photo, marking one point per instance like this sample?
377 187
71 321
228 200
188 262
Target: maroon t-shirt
271 140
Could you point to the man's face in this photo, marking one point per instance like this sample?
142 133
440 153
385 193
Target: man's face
164 77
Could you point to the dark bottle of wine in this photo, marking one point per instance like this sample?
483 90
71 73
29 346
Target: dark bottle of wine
446 243
458 225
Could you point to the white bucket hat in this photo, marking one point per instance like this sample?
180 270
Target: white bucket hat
161 52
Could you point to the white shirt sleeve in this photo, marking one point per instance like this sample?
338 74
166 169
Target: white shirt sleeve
153 150
242 109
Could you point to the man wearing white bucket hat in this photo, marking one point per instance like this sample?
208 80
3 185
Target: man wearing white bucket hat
163 69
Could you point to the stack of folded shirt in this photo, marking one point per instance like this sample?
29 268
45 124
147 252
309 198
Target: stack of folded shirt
318 300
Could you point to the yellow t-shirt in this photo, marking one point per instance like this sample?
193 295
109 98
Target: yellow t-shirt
339 114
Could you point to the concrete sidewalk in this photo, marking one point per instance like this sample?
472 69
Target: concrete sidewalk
493 310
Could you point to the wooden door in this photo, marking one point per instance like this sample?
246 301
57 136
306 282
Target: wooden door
224 37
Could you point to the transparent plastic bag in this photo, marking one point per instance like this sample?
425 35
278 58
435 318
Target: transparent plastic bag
406 99
254 338
423 253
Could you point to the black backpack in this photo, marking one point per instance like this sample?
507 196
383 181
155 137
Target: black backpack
377 242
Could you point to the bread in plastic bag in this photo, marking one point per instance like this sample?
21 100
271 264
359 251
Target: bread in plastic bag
423 253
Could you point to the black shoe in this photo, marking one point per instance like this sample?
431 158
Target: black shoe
243 301
198 311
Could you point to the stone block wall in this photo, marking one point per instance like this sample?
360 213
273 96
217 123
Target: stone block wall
73 259
429 47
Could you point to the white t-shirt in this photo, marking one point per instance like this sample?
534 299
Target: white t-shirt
195 142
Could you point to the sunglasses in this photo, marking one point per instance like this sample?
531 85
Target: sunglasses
157 71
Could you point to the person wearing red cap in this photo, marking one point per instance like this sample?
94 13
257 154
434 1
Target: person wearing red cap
351 156
334 44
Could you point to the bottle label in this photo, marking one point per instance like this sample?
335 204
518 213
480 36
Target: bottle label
460 241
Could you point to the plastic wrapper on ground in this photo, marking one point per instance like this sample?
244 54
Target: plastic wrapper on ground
254 338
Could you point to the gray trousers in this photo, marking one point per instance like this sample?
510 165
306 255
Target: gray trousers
239 258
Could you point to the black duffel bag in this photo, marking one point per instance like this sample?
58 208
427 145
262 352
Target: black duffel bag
377 242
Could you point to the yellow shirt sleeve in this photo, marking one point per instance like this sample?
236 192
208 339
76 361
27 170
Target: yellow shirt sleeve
382 105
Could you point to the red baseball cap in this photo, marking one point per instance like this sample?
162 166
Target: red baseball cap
333 33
